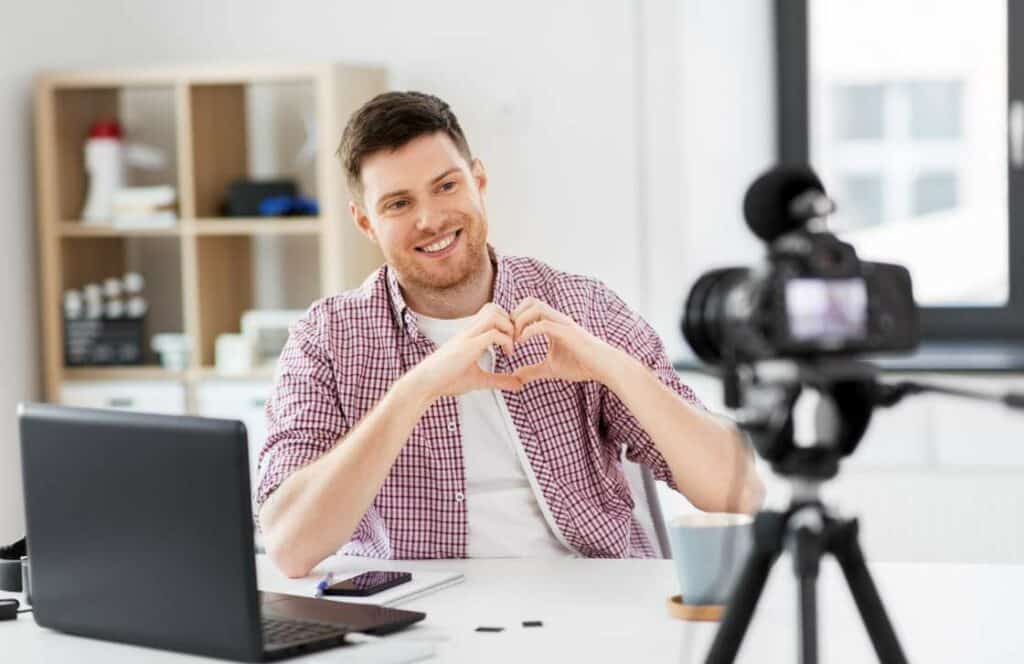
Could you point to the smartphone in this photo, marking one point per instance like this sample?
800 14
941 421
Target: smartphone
368 583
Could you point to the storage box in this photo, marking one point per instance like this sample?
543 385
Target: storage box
104 342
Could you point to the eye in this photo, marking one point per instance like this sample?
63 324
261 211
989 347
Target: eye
397 204
448 186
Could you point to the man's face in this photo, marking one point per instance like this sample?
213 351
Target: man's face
423 206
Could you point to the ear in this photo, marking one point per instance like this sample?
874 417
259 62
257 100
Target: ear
480 175
362 221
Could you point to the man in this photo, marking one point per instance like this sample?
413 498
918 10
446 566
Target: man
464 403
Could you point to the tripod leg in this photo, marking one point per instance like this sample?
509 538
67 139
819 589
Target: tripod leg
843 544
806 555
768 530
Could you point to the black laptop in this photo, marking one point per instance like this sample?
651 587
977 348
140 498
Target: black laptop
140 530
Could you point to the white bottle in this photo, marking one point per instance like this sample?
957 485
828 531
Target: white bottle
104 162
133 283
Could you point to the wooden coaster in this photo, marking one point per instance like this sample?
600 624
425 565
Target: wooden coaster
702 612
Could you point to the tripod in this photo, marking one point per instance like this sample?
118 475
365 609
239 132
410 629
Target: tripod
807 527
812 531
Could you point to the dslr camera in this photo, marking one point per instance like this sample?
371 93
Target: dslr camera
812 297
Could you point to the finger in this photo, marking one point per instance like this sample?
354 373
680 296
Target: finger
489 380
532 372
494 337
537 310
491 316
483 379
547 327
499 381
531 302
525 318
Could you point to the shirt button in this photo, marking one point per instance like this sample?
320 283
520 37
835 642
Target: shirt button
452 427
459 497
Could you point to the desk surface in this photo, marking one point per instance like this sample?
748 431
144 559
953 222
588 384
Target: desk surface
614 611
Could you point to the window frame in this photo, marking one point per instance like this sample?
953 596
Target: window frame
978 324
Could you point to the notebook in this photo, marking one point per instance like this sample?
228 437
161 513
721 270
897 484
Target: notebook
343 567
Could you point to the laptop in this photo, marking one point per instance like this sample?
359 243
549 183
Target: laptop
140 530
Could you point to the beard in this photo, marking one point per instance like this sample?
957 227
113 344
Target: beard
452 272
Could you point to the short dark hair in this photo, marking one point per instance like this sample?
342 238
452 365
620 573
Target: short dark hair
389 121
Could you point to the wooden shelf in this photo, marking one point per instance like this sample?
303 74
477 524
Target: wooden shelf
224 226
209 373
80 229
140 372
205 272
156 372
190 74
257 226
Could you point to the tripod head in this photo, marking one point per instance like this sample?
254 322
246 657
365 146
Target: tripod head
765 394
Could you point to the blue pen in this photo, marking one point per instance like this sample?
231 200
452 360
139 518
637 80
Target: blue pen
322 584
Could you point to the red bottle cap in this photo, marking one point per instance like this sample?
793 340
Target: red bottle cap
108 128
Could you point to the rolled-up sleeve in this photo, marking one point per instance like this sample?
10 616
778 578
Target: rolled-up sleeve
626 329
304 417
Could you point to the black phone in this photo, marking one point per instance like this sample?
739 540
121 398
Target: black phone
368 583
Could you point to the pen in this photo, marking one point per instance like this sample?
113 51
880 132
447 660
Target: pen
322 584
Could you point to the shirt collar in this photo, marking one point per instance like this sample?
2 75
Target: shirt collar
502 295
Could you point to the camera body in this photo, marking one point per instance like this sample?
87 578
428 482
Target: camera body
813 297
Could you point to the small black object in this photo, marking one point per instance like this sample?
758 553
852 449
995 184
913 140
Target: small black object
490 629
9 609
368 583
244 196
533 623
104 341
14 551
10 566
771 205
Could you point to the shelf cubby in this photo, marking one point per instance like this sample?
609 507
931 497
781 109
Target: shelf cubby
216 124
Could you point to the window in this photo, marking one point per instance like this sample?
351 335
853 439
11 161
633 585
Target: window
858 111
933 192
901 108
862 201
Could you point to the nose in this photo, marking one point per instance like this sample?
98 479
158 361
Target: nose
431 219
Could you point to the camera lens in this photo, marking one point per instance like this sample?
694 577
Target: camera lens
704 317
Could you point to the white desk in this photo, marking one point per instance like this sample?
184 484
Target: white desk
614 611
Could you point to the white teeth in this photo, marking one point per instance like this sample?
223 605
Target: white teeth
440 244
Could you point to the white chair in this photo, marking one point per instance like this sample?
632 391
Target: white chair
647 506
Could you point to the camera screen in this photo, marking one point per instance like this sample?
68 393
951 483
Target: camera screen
829 309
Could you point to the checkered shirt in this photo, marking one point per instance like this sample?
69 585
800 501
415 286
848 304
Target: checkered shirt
348 349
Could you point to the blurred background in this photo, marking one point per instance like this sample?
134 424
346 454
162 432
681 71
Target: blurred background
619 138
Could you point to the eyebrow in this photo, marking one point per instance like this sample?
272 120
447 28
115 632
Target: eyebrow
403 192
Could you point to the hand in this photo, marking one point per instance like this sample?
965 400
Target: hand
573 353
453 368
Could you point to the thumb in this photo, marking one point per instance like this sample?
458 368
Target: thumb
532 372
505 382
486 380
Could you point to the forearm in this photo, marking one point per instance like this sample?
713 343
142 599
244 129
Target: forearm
707 457
316 510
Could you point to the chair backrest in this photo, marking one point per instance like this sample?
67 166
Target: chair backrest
647 506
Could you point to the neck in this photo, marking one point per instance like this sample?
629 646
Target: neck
458 301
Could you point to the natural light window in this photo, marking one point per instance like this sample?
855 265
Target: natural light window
908 104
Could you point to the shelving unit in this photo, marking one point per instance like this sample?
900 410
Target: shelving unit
208 262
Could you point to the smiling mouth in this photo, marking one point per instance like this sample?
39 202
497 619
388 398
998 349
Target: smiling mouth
441 245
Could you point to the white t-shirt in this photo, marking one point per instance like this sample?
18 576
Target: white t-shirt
507 515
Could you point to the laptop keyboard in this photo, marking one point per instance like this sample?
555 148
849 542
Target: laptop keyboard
277 632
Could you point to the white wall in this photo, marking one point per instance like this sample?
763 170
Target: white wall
544 91
19 367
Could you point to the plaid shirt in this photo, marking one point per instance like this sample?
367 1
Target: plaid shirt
347 351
